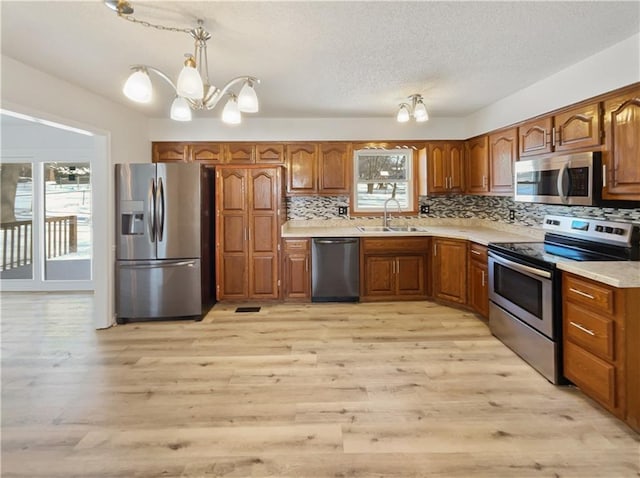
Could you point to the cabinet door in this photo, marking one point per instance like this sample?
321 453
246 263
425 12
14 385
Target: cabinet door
410 275
379 272
534 137
455 152
477 170
578 128
622 153
207 152
270 153
503 149
478 288
450 270
239 153
334 166
232 234
170 151
263 233
301 168
437 167
296 276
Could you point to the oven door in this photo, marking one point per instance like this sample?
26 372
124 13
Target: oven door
524 291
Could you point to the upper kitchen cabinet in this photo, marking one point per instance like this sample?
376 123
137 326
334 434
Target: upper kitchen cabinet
334 167
170 151
301 161
207 152
573 129
477 167
269 153
240 153
503 151
445 167
621 158
322 168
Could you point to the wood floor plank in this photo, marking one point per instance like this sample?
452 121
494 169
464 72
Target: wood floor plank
400 390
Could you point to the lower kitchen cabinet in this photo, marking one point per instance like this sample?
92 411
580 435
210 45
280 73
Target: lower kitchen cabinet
601 334
394 268
478 279
297 269
450 270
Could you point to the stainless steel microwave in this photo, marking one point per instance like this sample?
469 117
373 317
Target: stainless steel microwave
572 180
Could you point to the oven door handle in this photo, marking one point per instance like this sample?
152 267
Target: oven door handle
520 267
564 195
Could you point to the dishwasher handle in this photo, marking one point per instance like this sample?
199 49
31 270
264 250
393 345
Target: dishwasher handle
335 241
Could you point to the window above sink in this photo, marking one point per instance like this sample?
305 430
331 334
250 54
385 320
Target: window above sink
381 174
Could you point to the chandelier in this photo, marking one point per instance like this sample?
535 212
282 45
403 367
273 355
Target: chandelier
415 108
193 90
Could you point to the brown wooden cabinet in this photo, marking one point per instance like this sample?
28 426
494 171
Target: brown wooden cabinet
622 152
269 153
239 153
170 151
600 344
207 152
576 128
503 152
334 168
247 232
450 270
394 268
297 269
478 291
301 162
445 161
477 165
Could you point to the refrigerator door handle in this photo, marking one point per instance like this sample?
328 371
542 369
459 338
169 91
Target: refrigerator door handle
151 212
161 209
156 265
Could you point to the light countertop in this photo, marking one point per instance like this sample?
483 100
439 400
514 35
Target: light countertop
616 274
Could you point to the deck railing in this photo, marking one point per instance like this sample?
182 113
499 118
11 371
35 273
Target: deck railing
16 239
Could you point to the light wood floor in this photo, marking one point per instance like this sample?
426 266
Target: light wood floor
325 390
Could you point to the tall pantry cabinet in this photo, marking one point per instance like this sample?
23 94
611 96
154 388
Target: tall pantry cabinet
248 212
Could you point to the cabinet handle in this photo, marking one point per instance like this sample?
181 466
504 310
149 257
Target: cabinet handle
484 181
482 278
583 294
604 175
246 233
553 136
584 329
435 250
306 265
475 252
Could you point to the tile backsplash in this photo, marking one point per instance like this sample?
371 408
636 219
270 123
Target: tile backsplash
496 208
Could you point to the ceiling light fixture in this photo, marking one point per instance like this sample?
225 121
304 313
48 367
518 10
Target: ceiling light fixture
415 108
193 89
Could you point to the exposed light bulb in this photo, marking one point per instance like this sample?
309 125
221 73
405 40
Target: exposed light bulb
138 86
420 112
403 113
189 83
231 112
248 99
180 110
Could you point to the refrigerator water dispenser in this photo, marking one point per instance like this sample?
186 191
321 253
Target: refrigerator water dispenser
132 223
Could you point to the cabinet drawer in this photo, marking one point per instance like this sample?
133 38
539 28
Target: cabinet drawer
478 252
592 294
593 375
589 330
397 245
296 244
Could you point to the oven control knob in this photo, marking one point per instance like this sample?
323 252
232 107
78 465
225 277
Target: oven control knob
618 231
599 228
608 229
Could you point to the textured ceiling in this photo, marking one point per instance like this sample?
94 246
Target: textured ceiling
323 59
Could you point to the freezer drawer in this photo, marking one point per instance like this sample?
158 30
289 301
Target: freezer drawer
157 289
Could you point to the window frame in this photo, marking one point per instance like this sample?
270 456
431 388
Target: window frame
411 170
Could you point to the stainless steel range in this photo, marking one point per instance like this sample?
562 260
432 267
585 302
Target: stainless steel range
525 309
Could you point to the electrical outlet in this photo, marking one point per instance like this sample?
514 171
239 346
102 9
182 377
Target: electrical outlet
342 210
424 209
512 214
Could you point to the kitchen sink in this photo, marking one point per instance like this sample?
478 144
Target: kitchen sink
391 229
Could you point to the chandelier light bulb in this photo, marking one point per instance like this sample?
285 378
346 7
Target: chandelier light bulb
231 112
190 82
420 112
138 87
403 113
247 99
180 109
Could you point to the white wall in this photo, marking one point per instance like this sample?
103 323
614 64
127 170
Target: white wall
122 133
605 71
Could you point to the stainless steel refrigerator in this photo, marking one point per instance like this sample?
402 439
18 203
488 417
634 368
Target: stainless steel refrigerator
158 241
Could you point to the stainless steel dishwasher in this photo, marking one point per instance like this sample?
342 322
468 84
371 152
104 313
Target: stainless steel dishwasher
335 271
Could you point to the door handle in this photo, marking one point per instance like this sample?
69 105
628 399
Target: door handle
564 195
583 294
584 329
151 210
161 208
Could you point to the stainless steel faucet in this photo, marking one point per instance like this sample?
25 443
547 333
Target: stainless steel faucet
387 218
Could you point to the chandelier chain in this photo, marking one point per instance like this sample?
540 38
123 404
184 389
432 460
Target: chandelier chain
154 25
